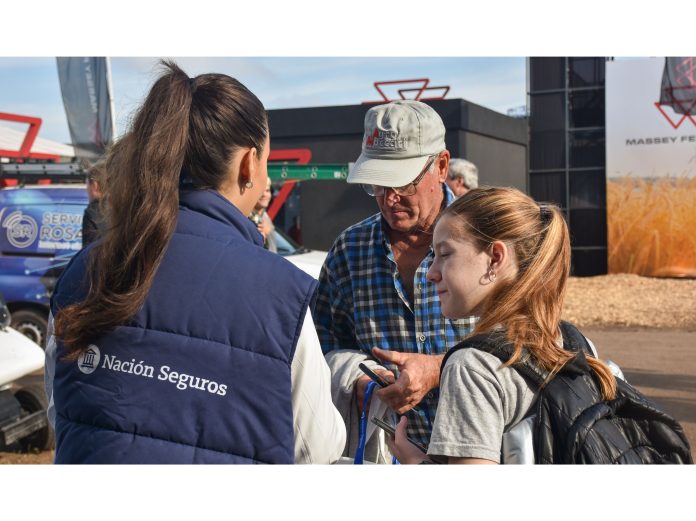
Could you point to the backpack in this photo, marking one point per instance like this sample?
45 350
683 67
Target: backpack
574 424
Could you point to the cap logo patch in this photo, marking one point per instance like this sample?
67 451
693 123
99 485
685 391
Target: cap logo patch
386 139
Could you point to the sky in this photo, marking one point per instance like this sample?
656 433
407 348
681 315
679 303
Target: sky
313 52
30 85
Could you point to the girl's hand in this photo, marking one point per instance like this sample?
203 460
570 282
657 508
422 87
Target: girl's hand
404 450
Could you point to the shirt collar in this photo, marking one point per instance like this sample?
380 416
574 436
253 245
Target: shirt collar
449 194
211 204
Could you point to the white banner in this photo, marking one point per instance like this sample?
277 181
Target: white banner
651 166
645 138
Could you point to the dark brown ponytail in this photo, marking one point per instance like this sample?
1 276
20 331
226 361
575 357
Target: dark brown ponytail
186 128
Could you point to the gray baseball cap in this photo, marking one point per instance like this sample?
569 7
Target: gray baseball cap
399 138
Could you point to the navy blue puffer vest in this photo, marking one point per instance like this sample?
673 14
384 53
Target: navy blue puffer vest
201 374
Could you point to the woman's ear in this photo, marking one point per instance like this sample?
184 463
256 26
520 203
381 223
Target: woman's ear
247 166
499 254
503 258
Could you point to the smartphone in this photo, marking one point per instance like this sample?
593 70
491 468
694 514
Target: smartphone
378 380
373 376
392 430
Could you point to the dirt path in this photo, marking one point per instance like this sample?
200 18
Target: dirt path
659 363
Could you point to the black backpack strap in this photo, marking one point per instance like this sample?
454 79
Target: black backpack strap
497 345
573 339
476 342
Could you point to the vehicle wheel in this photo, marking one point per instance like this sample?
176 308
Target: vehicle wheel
32 398
31 324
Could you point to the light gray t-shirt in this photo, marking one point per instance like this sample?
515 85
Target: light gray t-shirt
479 401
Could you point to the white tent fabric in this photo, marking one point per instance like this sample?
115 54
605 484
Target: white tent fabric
11 139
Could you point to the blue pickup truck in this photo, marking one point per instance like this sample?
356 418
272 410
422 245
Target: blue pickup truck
40 230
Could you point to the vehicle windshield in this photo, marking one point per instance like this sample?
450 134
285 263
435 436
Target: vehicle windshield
286 246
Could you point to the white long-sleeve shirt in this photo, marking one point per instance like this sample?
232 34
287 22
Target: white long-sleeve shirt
320 433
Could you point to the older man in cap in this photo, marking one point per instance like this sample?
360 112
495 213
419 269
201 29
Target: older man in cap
374 303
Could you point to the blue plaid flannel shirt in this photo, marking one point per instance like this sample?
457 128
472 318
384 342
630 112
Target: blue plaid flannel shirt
361 303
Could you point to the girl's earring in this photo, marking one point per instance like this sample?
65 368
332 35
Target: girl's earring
491 274
249 184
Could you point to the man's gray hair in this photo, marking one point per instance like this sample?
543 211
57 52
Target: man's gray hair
464 169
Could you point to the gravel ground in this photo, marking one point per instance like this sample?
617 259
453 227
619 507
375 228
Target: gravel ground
45 457
645 324
631 301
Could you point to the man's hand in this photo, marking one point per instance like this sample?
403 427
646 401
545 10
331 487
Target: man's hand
418 374
362 382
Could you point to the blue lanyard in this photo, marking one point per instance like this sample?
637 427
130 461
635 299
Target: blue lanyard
360 452
362 441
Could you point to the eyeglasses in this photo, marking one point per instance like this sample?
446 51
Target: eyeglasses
406 190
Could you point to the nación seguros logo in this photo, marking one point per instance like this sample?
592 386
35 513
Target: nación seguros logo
88 361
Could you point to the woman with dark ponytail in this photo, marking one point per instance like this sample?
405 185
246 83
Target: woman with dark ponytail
178 338
504 258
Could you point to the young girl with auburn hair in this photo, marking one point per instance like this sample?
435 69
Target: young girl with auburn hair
506 259
178 337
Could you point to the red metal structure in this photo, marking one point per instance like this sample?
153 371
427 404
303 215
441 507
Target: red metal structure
424 85
300 156
24 151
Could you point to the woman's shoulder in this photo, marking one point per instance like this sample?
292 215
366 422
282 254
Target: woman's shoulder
480 364
489 384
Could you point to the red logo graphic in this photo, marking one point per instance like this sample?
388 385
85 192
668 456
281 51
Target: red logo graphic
681 120
371 139
681 81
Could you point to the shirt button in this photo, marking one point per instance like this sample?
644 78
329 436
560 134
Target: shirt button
421 338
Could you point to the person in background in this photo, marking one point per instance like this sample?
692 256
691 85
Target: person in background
372 287
263 222
462 176
178 338
504 258
92 220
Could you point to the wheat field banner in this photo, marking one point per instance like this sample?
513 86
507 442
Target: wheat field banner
651 166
